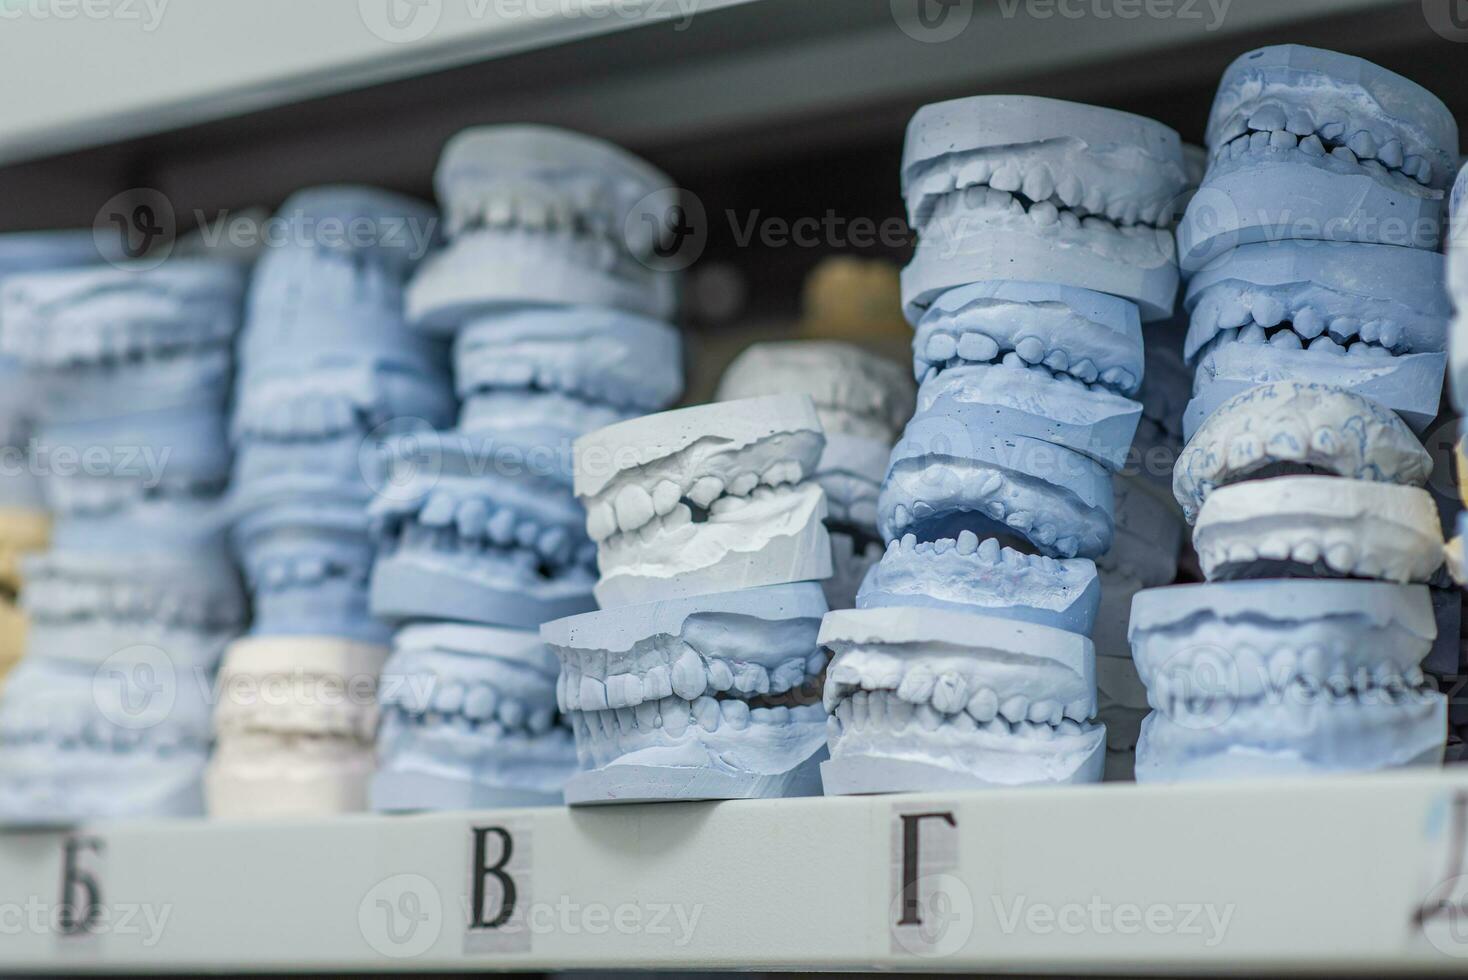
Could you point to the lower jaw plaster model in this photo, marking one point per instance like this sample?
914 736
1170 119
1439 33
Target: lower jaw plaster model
470 721
461 539
1024 411
294 721
539 216
1369 318
1274 678
709 697
1007 187
862 401
927 699
1311 144
128 740
707 499
538 378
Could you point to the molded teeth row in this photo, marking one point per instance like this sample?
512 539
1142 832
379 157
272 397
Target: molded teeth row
1277 127
98 495
515 372
1307 547
477 702
475 520
277 574
57 599
61 734
889 711
689 677
987 498
634 508
1059 197
1265 317
949 693
1284 338
945 351
279 412
988 551
108 343
578 212
675 715
355 720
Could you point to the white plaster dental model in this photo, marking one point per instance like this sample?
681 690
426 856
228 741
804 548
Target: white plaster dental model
461 539
1004 187
1322 525
707 499
710 697
86 744
927 699
294 721
539 377
1311 144
1369 318
862 400
1289 428
542 216
470 721
1285 677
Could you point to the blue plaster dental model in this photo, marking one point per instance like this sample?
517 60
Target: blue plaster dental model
129 740
540 377
708 499
862 400
1457 261
466 539
708 697
540 216
1311 144
1294 428
470 721
329 374
1003 187
295 718
1282 678
1369 318
927 699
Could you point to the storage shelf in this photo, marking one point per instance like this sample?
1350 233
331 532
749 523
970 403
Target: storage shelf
1316 875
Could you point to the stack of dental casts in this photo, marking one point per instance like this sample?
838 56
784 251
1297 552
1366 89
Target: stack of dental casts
329 372
25 525
1318 329
548 286
863 400
1043 244
131 609
699 678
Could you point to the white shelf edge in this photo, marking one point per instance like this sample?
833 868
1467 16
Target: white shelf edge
1317 875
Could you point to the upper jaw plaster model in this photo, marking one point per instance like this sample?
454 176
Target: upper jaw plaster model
539 377
538 216
469 721
862 400
1280 678
1311 144
930 699
1024 411
713 696
1369 318
1021 188
1296 428
707 499
461 540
